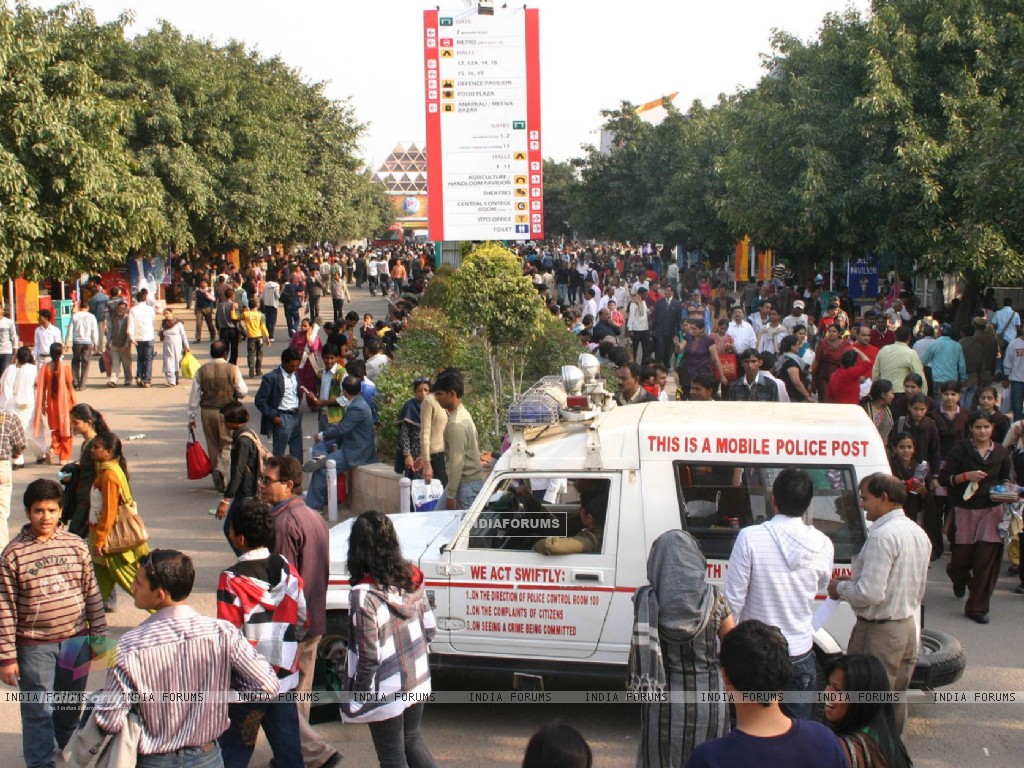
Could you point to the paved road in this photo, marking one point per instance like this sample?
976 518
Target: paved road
495 734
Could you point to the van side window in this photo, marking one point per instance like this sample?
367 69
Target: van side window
543 514
716 500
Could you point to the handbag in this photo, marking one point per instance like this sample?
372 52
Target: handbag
197 463
107 361
128 531
730 366
92 747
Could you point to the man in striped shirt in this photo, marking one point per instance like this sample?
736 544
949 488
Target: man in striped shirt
177 667
776 569
49 604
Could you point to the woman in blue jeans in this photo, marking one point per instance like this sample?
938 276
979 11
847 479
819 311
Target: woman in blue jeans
390 625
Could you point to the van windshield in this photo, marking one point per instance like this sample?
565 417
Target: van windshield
716 500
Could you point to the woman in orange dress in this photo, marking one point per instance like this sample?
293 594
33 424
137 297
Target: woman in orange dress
55 396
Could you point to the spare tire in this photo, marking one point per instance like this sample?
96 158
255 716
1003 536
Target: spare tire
942 660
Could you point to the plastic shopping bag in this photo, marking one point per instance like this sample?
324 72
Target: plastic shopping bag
425 496
189 365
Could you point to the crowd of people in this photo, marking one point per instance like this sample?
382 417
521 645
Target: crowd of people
657 325
779 341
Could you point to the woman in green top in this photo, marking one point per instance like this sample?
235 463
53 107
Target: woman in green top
867 731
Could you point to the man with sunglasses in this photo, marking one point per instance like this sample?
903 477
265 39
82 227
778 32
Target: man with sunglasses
176 668
301 538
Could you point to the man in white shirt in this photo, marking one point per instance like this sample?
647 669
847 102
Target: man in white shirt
46 335
1006 322
796 317
743 336
271 300
590 304
771 333
759 319
887 584
85 340
375 359
142 334
776 570
372 269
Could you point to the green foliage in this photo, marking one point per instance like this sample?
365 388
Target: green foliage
436 294
69 199
560 189
109 146
495 367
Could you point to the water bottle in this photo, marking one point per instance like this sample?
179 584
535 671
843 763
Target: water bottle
921 474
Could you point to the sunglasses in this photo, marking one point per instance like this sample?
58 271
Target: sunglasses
149 565
420 380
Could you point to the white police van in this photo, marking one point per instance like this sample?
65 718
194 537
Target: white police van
707 468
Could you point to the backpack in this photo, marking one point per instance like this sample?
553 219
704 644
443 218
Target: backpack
262 453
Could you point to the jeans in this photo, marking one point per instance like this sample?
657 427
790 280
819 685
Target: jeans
467 493
399 743
80 363
47 728
289 435
190 291
291 318
803 680
1017 399
191 757
144 363
270 313
314 308
280 723
338 305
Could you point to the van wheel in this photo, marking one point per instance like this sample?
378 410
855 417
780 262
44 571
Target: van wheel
329 673
942 661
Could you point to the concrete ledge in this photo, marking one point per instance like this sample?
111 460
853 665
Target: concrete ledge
373 486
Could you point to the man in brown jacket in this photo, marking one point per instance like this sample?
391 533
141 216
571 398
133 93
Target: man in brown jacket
216 384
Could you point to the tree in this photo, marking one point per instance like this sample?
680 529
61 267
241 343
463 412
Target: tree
492 299
560 188
70 200
793 170
945 94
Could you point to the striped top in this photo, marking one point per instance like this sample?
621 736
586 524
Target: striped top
178 665
48 592
775 571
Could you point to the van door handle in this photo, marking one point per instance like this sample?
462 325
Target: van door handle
594 576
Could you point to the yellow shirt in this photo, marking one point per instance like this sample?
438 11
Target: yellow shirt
254 324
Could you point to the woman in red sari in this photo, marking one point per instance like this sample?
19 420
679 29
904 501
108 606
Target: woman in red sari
55 396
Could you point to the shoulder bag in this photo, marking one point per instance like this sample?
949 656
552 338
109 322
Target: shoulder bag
128 531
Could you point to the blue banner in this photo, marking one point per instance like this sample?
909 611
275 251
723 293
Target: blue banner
862 278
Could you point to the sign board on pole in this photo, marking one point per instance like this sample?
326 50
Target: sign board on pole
485 171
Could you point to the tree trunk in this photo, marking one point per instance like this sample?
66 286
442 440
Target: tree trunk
968 302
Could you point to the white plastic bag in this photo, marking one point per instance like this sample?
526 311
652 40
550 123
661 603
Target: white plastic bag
425 496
